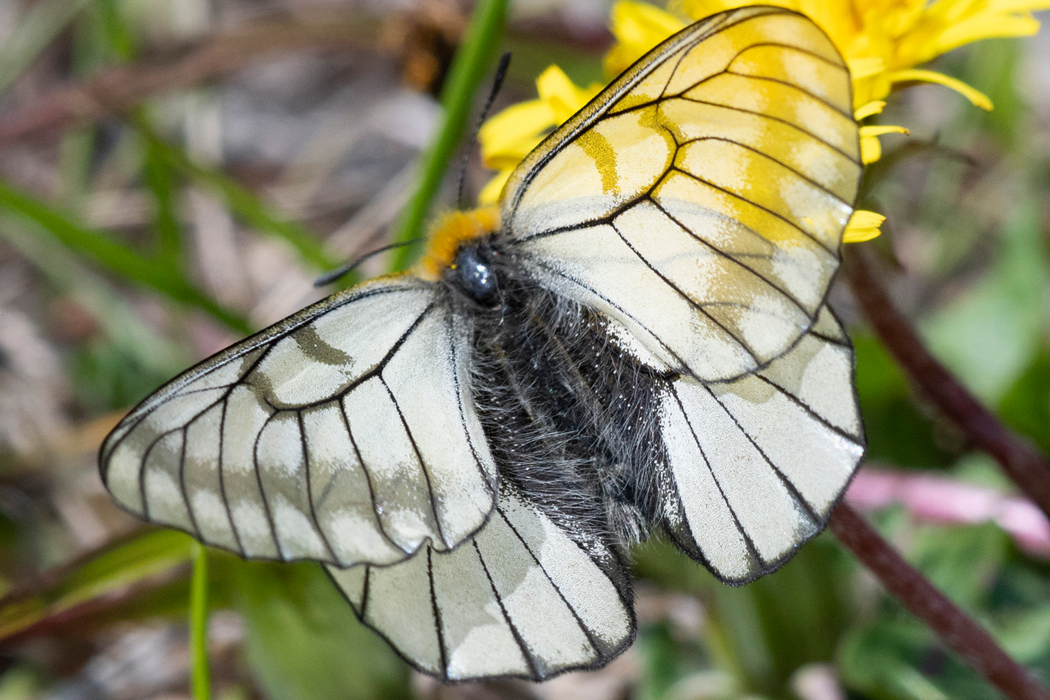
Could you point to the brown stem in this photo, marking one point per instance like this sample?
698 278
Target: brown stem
1029 469
117 89
956 630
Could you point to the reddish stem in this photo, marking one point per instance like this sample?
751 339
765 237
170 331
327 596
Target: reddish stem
956 630
1028 468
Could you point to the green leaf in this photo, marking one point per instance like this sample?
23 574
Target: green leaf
897 433
763 632
961 561
104 572
303 641
1026 406
990 335
1026 635
875 660
20 683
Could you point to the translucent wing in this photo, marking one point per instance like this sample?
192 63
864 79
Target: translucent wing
699 201
757 463
522 599
345 433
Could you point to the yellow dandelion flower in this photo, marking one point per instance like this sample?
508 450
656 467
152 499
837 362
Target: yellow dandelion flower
883 42
637 27
886 39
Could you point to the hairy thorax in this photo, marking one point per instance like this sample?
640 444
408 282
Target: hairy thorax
572 419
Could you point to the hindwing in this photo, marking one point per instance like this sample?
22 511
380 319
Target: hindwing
758 463
521 599
345 434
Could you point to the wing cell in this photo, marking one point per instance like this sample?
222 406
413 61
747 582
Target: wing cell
344 434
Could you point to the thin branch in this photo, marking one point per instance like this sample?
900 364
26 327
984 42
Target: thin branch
1028 468
958 632
119 88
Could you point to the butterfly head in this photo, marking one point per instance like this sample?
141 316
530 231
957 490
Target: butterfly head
455 252
472 273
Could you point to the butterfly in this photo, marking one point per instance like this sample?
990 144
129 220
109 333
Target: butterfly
635 341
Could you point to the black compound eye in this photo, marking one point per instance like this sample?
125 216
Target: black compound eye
476 277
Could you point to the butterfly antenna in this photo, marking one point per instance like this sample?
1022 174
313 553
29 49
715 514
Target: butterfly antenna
329 277
497 83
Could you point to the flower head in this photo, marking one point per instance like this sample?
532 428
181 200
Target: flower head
883 42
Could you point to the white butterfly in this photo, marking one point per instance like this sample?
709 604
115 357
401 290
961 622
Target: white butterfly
637 340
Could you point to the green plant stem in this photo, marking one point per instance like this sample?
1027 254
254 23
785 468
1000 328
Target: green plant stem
958 632
199 623
457 98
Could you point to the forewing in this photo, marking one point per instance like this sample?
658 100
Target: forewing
699 201
345 433
758 463
521 599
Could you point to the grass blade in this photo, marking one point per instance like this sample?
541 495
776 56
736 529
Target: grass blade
162 184
117 258
104 572
240 200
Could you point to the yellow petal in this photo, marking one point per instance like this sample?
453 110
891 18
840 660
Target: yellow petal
701 8
561 94
642 23
881 129
977 97
507 134
490 192
870 109
870 148
985 27
512 154
863 226
637 27
865 67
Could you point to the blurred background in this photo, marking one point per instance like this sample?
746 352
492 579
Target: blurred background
175 173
